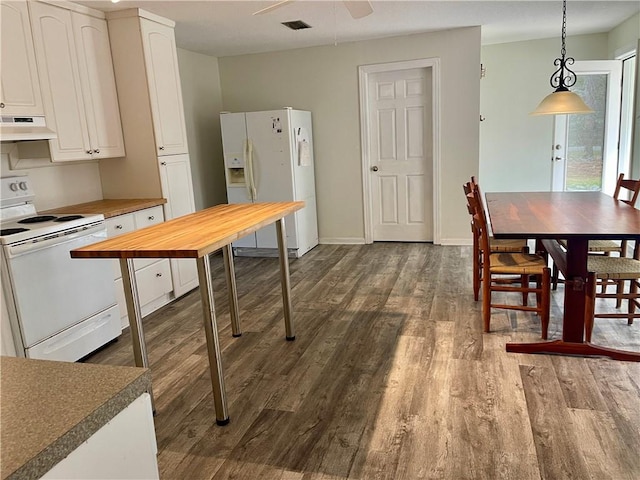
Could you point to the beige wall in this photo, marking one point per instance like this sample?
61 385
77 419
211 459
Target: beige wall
624 37
202 103
324 80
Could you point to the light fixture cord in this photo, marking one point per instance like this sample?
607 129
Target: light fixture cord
563 51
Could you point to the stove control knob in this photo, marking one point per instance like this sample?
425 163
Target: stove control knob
22 185
13 187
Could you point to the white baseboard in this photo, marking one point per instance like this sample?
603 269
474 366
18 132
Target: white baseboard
456 242
342 241
360 241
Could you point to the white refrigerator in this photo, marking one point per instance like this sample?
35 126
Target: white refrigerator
268 157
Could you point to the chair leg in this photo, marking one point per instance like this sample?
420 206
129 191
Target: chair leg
477 272
524 282
619 292
486 302
555 275
545 302
590 305
633 292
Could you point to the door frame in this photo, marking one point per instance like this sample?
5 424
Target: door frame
365 131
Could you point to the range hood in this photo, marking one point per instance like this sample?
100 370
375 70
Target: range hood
16 129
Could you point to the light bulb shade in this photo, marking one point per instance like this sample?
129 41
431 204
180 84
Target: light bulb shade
560 103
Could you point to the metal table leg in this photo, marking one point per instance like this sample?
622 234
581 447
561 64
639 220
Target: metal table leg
135 317
227 254
285 280
213 346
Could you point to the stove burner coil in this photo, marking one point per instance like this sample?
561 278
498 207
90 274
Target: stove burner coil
38 219
10 231
68 218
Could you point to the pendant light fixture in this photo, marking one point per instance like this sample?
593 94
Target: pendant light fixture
562 101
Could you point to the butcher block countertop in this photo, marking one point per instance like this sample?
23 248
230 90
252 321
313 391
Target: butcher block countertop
48 409
109 207
191 236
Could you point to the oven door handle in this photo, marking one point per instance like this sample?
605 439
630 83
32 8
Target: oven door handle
98 232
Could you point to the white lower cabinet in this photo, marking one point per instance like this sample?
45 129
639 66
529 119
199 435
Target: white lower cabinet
125 448
153 275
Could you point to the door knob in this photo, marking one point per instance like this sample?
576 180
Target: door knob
374 168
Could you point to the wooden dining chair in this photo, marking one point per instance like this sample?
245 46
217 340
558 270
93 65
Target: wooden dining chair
496 245
497 265
607 247
620 270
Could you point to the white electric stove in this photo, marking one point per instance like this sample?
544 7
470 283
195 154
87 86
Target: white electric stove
58 308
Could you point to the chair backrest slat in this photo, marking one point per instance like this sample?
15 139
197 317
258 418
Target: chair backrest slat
633 186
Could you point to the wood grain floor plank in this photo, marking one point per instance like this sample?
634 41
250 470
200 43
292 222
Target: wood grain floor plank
390 377
600 440
555 438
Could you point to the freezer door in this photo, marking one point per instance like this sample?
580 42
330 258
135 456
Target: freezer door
234 132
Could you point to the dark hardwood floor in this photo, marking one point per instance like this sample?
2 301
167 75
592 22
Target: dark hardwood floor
390 376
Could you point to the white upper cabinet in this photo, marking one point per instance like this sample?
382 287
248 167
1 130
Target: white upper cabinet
20 86
165 92
78 86
98 85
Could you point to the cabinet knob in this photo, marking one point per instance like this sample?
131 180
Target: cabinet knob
162 148
158 274
89 152
163 163
1 104
118 227
151 217
97 150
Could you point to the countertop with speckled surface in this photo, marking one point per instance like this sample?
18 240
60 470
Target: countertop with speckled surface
48 409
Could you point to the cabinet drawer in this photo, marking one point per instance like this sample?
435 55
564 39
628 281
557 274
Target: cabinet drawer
119 225
148 216
154 281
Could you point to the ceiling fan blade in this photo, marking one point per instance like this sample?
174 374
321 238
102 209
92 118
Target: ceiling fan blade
272 7
359 8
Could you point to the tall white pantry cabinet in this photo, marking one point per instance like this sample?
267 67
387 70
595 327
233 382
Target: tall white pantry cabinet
156 164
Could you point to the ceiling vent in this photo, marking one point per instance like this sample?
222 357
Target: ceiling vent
296 25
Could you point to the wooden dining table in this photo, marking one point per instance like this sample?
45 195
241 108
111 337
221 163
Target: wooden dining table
196 236
576 217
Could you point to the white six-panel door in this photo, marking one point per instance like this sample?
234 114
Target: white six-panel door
400 155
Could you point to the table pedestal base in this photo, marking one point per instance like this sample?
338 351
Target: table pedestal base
570 348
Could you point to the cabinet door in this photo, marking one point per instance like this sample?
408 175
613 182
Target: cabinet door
98 86
19 85
161 62
175 176
56 56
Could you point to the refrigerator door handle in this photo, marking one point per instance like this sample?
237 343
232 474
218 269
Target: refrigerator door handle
251 184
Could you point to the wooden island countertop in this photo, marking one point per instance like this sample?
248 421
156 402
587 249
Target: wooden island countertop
109 207
191 236
196 235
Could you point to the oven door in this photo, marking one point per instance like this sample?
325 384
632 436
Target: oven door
52 291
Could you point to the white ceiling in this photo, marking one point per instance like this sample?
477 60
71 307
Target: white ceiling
222 28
